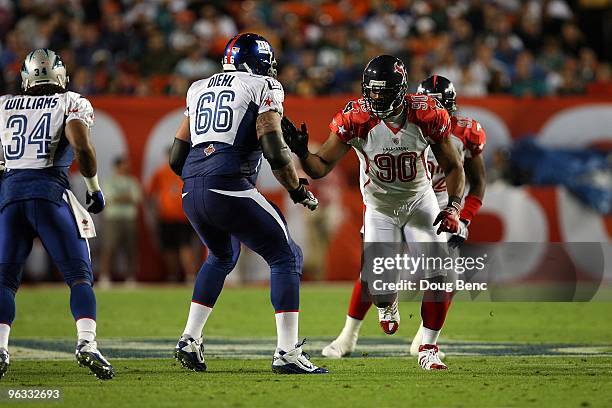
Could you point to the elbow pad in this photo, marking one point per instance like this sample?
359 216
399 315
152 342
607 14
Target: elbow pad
275 150
178 155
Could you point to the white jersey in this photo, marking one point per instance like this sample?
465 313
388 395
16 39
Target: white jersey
219 105
32 128
468 137
393 162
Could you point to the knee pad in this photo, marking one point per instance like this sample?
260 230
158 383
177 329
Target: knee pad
75 271
10 275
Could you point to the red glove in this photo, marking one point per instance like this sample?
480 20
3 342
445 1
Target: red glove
449 217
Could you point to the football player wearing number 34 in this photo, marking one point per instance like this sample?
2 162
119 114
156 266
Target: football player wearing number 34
392 132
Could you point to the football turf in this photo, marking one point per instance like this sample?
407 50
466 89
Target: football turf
500 354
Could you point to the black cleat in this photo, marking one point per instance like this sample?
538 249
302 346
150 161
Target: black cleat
295 362
87 355
190 353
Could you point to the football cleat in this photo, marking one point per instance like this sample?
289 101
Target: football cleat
429 358
88 355
190 353
416 343
4 361
389 318
341 347
295 361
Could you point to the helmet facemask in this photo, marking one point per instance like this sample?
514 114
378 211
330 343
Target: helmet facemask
382 100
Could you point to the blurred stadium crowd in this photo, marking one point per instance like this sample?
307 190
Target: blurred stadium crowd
158 47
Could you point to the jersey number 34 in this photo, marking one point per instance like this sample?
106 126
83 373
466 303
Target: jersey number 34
40 135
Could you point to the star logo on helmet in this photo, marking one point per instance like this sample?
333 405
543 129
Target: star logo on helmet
399 69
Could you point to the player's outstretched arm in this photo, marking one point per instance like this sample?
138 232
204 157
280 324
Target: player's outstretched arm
180 147
77 134
318 164
276 152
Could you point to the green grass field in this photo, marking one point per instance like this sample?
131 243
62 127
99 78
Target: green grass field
499 354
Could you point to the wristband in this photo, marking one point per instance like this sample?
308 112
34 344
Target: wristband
470 207
92 183
454 202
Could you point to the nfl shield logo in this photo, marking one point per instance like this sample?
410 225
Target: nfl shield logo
396 140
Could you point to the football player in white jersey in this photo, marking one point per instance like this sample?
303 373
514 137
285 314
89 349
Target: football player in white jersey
392 132
231 123
42 131
468 137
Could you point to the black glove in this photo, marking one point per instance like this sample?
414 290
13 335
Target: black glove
297 140
95 202
460 236
302 196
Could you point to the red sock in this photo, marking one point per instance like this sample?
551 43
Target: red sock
434 309
360 301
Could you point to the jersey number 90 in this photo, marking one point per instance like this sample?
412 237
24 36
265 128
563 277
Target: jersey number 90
391 168
214 112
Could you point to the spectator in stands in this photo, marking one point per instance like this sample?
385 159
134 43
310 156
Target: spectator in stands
527 78
195 66
175 235
141 42
120 237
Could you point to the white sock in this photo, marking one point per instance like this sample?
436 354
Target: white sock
5 329
430 336
351 328
86 329
286 330
198 315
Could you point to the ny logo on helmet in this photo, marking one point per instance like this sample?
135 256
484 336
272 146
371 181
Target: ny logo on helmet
263 47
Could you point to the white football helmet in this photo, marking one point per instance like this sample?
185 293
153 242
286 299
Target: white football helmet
43 66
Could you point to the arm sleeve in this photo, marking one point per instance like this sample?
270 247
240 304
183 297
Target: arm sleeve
438 125
341 126
271 97
475 140
79 108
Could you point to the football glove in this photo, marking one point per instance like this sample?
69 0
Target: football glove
448 219
297 140
459 238
95 201
302 196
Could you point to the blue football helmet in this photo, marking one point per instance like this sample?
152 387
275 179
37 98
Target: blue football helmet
250 53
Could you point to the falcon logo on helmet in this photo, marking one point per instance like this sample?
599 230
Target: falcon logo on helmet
384 85
251 53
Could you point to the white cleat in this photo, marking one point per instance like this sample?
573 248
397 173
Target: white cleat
341 347
389 318
295 362
88 355
429 358
418 340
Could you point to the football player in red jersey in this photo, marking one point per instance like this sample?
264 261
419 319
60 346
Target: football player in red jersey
468 137
392 132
